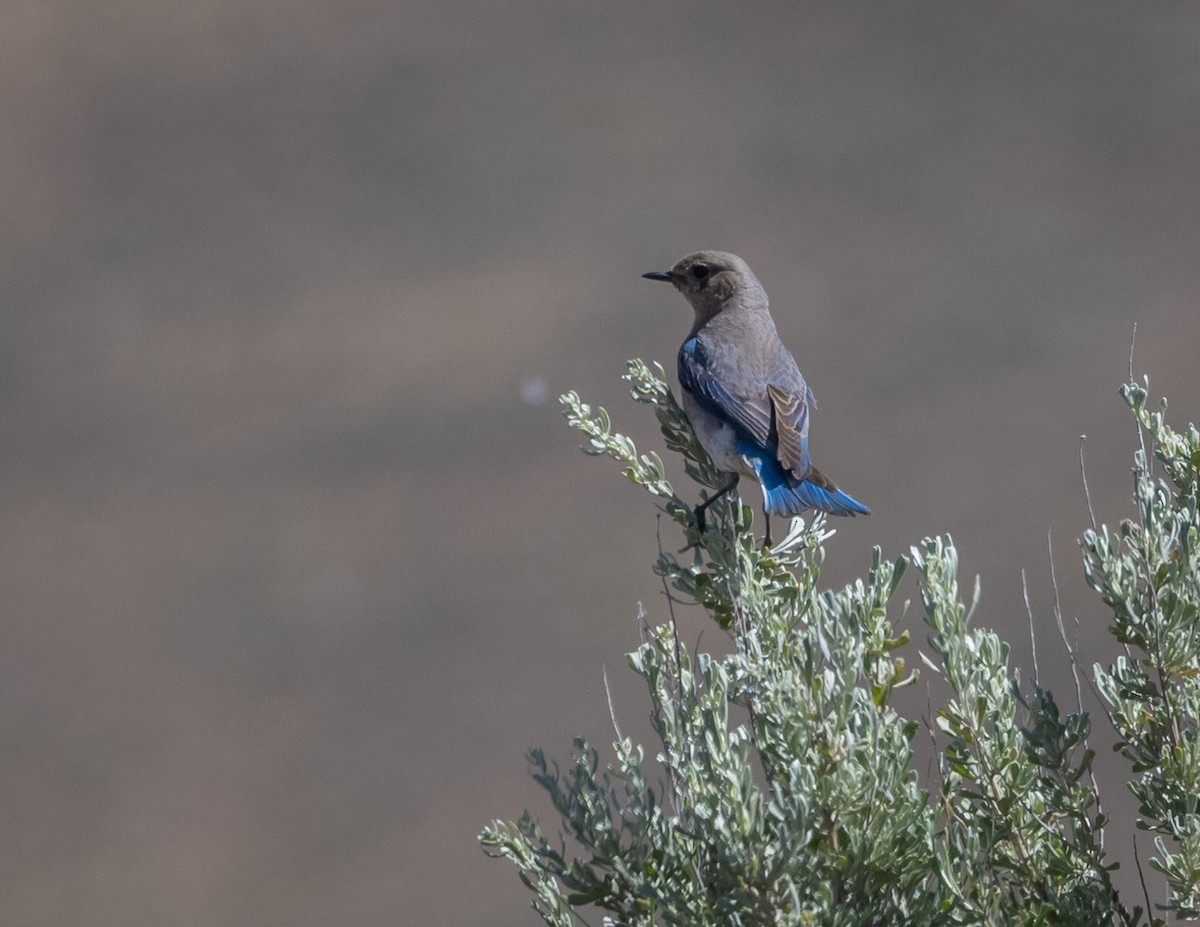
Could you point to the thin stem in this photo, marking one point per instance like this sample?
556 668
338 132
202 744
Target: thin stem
1032 636
1083 474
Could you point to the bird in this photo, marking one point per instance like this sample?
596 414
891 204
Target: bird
743 392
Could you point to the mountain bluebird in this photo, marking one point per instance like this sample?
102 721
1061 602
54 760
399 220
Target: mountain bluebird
742 391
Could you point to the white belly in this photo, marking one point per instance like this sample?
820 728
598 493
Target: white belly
717 438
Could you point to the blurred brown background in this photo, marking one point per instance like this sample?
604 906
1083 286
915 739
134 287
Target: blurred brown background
298 556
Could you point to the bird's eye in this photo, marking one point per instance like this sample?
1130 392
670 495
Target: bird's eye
700 272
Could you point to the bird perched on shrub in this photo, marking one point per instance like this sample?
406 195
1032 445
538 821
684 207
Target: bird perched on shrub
742 391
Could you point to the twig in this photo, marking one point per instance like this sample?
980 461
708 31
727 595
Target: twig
1073 649
674 623
1058 621
676 783
611 711
575 911
1140 431
1073 653
1032 636
1137 861
1083 474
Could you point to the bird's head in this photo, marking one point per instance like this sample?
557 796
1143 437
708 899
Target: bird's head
712 281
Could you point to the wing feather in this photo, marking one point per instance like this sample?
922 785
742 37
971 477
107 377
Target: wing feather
791 428
750 416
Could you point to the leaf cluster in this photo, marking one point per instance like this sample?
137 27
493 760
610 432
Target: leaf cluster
783 788
1148 573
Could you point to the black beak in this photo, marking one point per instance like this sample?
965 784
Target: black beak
660 275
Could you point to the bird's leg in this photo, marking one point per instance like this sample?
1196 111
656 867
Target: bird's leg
767 539
703 506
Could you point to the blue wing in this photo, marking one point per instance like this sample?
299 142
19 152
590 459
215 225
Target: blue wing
772 432
775 422
751 419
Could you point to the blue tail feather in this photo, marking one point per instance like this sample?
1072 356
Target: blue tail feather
783 494
792 500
